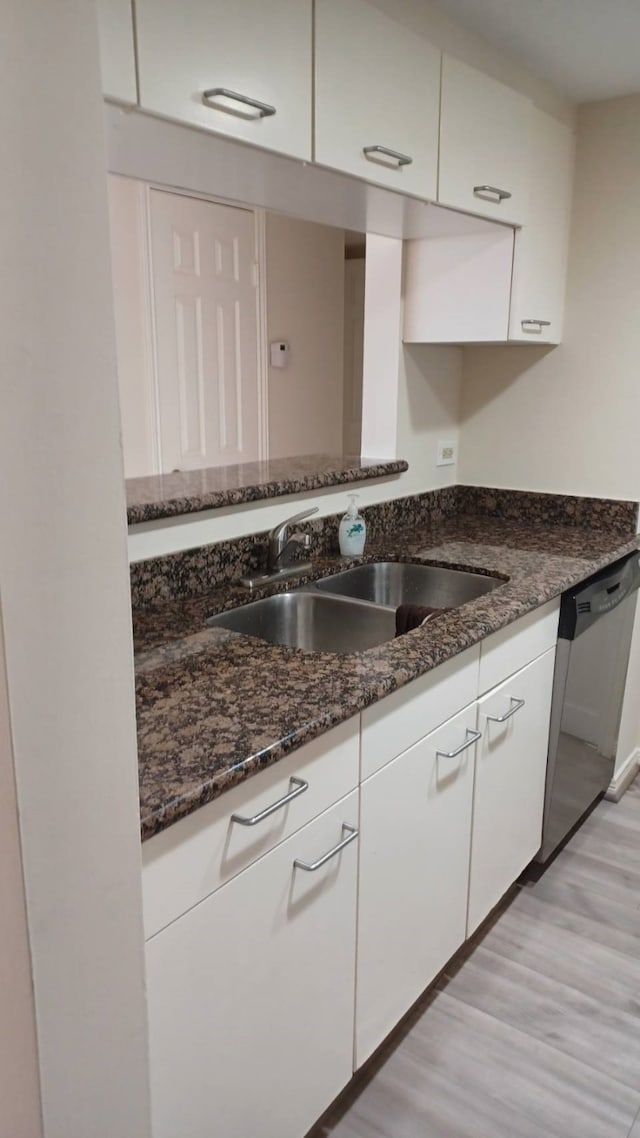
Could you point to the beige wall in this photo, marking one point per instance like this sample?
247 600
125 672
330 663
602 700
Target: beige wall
305 306
19 1084
429 393
566 419
65 588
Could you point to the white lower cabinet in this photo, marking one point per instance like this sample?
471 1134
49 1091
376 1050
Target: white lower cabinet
414 873
250 993
267 978
511 765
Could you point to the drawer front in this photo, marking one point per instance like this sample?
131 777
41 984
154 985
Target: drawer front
406 716
250 995
188 861
507 651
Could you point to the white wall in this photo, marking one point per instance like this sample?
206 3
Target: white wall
63 573
305 306
19 1082
429 394
565 419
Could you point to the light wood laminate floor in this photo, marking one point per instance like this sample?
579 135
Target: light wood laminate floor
536 1032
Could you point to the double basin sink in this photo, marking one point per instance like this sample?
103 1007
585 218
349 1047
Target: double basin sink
355 609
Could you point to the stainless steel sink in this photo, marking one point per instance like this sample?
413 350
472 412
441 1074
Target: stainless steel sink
311 621
396 583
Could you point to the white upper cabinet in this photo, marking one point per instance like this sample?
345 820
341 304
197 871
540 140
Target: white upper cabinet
240 69
117 56
484 145
457 284
377 94
541 248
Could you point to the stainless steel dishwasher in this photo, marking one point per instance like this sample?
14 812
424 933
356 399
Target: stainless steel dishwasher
594 637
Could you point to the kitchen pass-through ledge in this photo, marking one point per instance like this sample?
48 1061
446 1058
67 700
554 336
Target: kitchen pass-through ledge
190 491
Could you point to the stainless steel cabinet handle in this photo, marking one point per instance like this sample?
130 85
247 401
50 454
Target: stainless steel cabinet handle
536 326
471 738
300 787
401 159
516 704
310 867
491 193
209 97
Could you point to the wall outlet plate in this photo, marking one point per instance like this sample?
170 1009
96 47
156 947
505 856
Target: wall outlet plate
447 454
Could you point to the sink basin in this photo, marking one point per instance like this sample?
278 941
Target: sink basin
311 621
396 583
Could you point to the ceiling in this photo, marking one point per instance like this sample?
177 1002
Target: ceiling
588 49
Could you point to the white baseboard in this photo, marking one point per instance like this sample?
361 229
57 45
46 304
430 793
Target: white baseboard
624 777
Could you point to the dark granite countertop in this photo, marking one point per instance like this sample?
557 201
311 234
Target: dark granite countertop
187 492
214 707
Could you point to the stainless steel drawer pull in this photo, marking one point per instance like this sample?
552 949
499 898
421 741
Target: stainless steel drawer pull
209 97
516 704
310 867
471 738
534 327
491 194
300 787
396 155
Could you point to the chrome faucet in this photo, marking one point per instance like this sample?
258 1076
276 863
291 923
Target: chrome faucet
281 545
281 549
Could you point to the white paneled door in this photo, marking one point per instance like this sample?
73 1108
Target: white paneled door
204 277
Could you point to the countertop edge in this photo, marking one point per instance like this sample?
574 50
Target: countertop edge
139 513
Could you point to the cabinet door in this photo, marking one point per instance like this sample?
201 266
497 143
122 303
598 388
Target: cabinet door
541 247
511 767
457 289
377 96
259 51
414 872
117 58
250 994
484 144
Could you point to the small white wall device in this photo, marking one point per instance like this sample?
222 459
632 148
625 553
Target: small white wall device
279 353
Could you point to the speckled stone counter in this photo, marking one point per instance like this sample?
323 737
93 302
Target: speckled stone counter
190 491
214 707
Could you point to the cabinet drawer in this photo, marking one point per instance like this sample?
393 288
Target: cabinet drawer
511 648
250 995
400 720
189 860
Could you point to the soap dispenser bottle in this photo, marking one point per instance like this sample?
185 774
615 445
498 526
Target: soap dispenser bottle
353 531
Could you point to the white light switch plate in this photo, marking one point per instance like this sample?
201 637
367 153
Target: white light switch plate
447 454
